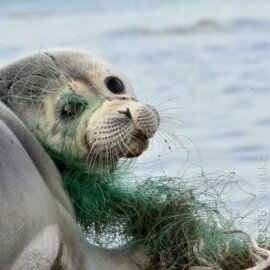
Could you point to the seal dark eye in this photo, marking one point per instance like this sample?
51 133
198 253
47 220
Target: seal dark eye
71 109
114 84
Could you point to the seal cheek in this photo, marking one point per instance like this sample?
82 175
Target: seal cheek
108 138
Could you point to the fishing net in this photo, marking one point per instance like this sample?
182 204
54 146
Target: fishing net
177 228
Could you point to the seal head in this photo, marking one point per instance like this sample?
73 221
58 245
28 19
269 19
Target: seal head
78 103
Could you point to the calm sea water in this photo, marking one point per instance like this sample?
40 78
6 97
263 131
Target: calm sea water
204 64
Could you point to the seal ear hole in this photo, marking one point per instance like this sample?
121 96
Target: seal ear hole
114 84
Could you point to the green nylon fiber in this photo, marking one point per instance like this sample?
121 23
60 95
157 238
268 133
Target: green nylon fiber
161 212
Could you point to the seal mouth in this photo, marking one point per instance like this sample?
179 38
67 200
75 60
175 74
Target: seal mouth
138 135
139 144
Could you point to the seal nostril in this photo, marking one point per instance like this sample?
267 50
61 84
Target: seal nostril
126 113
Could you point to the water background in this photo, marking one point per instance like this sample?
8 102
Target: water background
206 63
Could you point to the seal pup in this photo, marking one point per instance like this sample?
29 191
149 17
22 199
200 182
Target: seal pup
38 227
76 102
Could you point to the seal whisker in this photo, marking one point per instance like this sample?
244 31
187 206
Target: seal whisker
90 159
115 154
92 153
127 148
159 105
134 139
170 117
169 109
120 147
169 136
108 161
95 159
171 126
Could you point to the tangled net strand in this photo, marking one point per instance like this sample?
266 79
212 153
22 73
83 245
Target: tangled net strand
178 230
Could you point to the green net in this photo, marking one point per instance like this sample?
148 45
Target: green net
177 229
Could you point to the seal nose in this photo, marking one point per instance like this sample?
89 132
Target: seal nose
145 118
148 120
127 113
